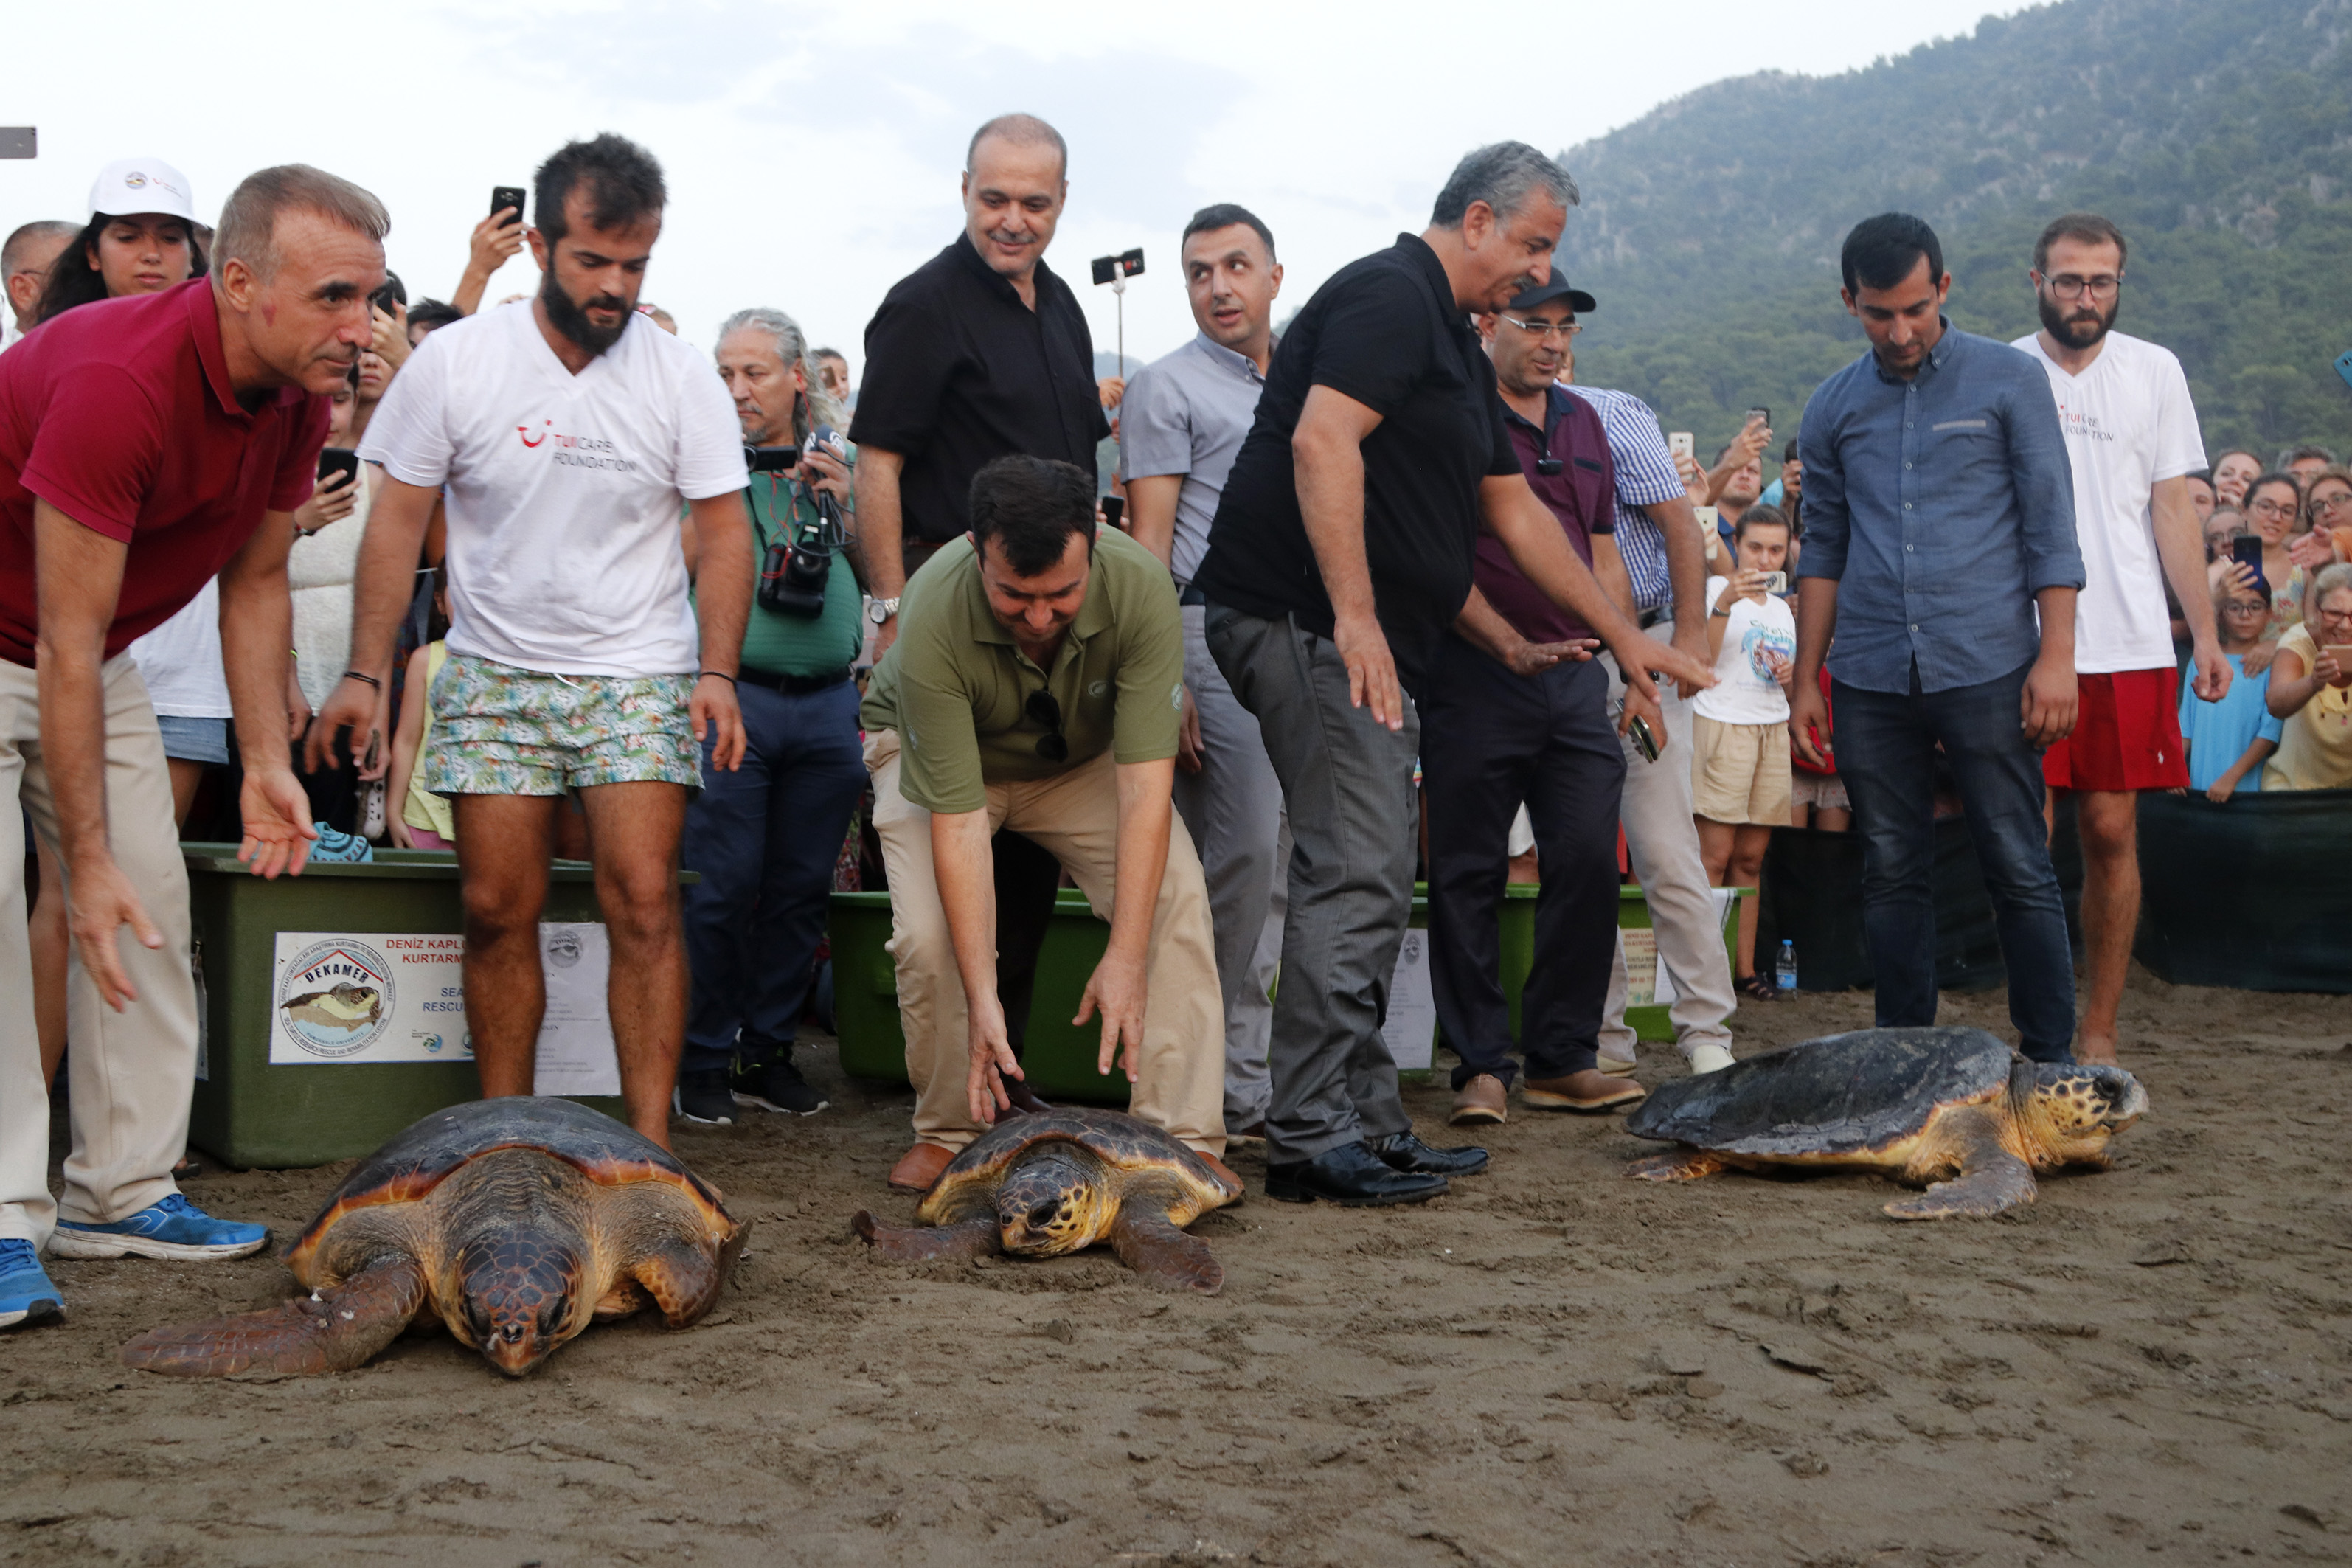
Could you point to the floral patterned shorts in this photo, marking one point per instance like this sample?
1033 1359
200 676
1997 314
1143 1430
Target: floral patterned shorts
497 730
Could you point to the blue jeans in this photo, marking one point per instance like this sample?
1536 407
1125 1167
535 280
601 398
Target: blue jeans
765 839
1885 754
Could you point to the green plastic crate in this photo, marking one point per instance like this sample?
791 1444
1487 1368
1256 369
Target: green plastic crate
249 1113
1059 1059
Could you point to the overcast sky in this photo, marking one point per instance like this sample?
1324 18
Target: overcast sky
812 151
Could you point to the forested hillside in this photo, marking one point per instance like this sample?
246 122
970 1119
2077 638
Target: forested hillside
2217 133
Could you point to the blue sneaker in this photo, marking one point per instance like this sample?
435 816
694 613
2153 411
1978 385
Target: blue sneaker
173 1229
336 846
26 1294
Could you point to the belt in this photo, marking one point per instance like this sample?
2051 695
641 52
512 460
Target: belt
1188 595
1649 618
792 685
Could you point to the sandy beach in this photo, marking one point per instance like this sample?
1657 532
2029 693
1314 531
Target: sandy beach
1551 1364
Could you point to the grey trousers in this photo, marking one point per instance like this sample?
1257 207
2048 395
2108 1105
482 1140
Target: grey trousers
1662 841
1233 808
1347 781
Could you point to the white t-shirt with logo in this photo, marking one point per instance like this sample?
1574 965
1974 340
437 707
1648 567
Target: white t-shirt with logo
1746 691
563 491
2128 423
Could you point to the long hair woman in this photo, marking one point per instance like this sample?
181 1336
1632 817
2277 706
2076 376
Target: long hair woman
141 238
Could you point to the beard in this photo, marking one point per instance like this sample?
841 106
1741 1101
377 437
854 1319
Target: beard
571 320
2079 328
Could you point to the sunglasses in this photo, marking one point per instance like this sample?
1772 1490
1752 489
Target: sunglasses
1042 709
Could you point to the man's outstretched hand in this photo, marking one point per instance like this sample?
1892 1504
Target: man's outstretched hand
350 706
278 831
1116 987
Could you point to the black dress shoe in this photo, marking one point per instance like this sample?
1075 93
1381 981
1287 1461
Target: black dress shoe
1403 1151
1351 1175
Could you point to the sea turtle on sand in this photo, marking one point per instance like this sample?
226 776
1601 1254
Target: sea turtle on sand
1953 1107
515 1222
1045 1184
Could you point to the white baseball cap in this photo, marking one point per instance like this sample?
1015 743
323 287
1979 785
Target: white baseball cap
142 185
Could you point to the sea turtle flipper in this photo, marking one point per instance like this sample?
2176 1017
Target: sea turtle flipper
333 1330
1682 1165
1163 1257
1991 1181
976 1237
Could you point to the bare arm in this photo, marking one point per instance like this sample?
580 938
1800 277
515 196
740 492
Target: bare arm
1609 570
406 740
257 622
723 603
876 530
965 868
1809 713
1745 449
2050 698
1116 986
1678 527
2180 546
1328 453
492 247
1486 629
383 581
2292 684
1151 514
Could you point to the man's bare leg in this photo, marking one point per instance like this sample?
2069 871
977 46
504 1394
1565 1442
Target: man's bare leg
2108 821
503 848
635 828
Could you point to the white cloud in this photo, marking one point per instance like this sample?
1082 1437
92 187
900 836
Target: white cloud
813 152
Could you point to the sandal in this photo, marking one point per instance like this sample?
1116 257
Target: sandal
1756 987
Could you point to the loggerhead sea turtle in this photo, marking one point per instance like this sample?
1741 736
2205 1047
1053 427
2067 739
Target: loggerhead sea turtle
515 1222
1953 1107
1044 1185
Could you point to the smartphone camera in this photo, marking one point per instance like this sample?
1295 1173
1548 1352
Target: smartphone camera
770 459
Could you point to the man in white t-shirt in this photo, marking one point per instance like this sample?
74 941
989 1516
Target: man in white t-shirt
2131 436
568 433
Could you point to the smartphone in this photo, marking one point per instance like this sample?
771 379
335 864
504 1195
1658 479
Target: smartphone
1759 416
1710 520
2343 367
2247 550
1679 443
507 198
1113 509
338 460
1775 584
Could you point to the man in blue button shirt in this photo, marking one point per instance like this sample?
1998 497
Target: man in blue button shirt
1939 519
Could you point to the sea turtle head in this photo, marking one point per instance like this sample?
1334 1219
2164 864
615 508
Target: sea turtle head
2072 1111
518 1297
1049 1206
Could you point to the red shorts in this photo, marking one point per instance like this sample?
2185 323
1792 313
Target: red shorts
2126 735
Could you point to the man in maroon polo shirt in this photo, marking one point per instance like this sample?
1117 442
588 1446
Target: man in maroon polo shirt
146 444
1515 711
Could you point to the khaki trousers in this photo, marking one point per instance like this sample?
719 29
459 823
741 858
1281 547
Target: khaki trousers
1180 1079
132 1071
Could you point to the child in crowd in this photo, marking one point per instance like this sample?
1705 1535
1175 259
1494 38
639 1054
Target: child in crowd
2229 740
420 819
1739 745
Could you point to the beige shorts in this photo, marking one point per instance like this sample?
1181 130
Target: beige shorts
1739 773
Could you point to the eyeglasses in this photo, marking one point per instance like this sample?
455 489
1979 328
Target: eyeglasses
1567 330
2336 501
1042 709
2272 509
2246 607
2069 286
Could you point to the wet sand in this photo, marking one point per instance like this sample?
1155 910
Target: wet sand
1551 1364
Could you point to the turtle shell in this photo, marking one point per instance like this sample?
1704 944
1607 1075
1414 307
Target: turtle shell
1846 1094
413 1162
1141 1154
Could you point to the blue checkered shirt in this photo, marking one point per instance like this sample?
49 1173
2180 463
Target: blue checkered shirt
1645 476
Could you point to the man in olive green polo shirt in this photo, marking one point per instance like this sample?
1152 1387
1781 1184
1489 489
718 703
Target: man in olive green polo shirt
1038 684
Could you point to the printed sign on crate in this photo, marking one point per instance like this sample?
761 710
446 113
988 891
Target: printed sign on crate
399 996
1411 1029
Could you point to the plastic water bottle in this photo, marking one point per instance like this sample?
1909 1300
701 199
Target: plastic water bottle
1785 971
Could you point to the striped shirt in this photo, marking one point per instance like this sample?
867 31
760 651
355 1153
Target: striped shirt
1645 476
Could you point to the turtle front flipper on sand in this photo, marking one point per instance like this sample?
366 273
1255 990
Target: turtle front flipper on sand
1045 1184
1951 1110
327 1331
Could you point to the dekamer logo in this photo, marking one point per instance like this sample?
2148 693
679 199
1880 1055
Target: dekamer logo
336 998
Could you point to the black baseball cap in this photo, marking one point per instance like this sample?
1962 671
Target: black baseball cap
1554 287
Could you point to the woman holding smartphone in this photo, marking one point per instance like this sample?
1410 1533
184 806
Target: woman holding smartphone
1740 782
2274 507
2311 689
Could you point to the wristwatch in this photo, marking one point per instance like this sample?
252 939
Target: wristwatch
881 610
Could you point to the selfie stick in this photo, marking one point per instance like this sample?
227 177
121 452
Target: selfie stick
1116 270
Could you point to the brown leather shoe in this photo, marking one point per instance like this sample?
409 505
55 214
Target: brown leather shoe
1482 1100
1589 1090
919 1170
1220 1167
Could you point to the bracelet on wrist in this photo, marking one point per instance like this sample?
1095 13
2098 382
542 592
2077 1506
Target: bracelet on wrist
722 675
356 675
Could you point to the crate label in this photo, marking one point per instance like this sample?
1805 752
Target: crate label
1643 980
1411 1027
399 996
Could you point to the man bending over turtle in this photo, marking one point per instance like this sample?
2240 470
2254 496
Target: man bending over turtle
1036 685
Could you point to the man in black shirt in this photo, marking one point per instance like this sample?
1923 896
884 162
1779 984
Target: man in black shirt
1341 553
981 352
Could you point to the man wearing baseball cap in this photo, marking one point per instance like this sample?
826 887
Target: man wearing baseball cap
1516 710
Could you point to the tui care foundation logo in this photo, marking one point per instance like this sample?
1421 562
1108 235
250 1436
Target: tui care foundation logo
336 998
